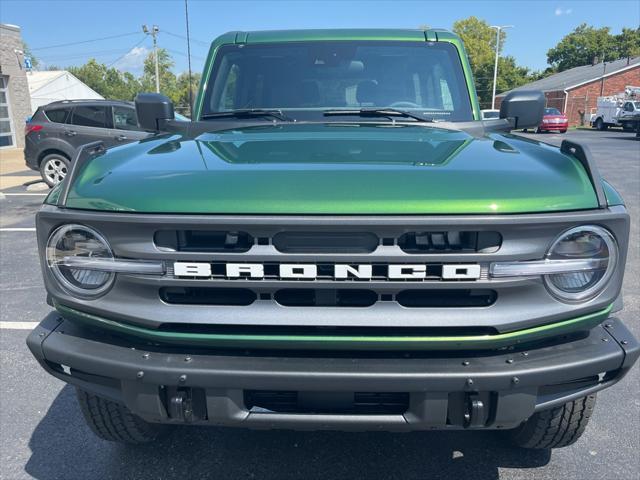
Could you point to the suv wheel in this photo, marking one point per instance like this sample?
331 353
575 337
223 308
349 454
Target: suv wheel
557 427
54 168
115 422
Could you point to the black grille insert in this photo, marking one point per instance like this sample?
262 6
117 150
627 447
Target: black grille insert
207 296
450 241
325 242
358 403
446 298
325 297
203 241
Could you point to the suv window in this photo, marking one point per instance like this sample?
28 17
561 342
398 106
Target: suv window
57 115
124 118
305 78
90 116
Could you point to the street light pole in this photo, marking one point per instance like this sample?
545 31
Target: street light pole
154 32
495 66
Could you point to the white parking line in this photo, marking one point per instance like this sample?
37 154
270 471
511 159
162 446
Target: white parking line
18 325
25 229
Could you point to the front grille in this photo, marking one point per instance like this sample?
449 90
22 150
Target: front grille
450 241
446 241
203 241
328 297
325 242
358 403
443 296
325 297
207 296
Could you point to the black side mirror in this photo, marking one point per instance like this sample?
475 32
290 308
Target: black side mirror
153 111
523 108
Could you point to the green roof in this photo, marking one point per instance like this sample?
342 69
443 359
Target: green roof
340 34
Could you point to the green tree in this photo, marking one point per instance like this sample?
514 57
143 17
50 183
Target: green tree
182 87
168 80
109 82
628 43
480 43
582 47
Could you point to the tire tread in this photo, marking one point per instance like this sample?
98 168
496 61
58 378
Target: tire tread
557 427
114 422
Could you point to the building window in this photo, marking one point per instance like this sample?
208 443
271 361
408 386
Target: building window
6 130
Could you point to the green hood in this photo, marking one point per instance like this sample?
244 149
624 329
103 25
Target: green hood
334 169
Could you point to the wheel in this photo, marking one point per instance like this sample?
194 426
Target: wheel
54 168
563 131
115 422
555 428
627 127
538 130
600 125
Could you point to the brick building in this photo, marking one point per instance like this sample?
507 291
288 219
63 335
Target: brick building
575 92
15 102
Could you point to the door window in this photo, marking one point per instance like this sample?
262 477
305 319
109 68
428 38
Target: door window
124 118
57 115
90 116
6 127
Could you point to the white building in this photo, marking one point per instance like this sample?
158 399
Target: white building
51 86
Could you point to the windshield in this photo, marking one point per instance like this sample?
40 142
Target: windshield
552 111
306 78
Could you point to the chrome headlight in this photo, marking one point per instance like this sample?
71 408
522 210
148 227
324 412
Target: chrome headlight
66 248
590 246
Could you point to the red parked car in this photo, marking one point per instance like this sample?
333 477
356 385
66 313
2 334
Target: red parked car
553 120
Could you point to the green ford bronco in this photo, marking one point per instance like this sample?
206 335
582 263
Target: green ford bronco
336 241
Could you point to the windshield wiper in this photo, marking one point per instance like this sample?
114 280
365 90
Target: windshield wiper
377 112
249 112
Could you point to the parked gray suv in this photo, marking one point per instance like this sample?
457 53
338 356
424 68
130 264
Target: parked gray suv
57 129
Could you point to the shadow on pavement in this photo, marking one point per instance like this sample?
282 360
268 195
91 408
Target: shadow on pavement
63 448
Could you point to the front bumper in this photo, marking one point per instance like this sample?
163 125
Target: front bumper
497 389
553 126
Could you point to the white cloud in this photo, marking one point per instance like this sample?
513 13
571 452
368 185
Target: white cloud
560 11
133 61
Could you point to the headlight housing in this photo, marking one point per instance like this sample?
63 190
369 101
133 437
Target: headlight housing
591 243
71 242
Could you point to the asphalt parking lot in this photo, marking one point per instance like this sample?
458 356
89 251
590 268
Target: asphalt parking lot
43 435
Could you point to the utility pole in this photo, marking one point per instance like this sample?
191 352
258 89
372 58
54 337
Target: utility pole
154 32
498 28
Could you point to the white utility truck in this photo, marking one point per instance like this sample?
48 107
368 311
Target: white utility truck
621 110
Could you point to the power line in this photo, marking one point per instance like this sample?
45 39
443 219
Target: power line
127 52
85 41
202 42
97 53
178 52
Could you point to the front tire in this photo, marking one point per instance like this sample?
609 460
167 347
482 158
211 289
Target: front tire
54 168
116 423
555 428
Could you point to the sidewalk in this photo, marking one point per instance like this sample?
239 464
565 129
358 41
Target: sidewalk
13 171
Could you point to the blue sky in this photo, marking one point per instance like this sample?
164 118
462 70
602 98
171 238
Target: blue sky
539 25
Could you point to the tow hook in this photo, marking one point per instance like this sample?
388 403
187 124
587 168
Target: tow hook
474 413
180 406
